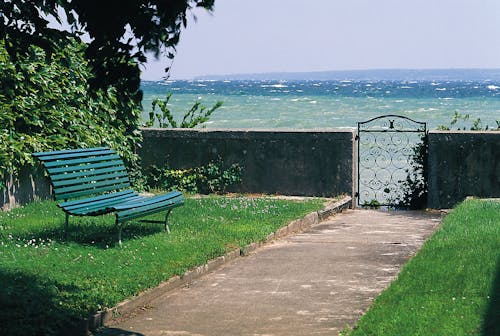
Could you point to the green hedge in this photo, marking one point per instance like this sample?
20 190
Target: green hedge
46 104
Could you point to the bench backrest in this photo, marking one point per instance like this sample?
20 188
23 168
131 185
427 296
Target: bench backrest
84 172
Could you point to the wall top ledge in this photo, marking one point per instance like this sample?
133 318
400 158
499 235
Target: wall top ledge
251 130
464 132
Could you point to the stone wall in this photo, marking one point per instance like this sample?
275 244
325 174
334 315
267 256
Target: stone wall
310 163
462 164
30 185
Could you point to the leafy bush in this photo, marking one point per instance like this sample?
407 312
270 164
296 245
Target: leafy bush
211 178
461 121
414 187
217 179
46 104
197 115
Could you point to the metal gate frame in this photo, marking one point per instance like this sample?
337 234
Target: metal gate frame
396 126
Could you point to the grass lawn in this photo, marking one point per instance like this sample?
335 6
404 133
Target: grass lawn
452 286
46 281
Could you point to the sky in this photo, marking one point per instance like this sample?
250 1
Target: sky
259 36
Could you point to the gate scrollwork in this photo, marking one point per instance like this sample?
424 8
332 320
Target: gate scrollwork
387 146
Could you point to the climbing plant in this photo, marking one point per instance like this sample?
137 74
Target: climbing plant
57 91
46 104
414 188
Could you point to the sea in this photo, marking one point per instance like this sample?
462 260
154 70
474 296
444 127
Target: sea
320 104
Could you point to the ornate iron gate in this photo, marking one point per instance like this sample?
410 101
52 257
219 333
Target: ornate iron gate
387 147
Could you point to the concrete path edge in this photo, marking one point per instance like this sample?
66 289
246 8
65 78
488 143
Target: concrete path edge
105 318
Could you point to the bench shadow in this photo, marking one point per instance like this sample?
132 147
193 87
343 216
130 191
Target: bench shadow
31 306
116 332
102 236
491 323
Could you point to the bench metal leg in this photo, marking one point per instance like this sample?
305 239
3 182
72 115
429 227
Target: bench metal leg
167 228
119 226
120 235
66 226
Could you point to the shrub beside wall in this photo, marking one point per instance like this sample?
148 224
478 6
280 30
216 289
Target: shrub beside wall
310 163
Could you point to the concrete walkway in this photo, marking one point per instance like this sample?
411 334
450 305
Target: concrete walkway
313 283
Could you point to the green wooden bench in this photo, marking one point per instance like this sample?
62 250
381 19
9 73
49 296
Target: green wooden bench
94 181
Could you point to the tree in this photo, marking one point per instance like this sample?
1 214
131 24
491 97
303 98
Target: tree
121 33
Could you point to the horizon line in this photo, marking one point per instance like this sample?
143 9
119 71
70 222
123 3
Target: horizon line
264 75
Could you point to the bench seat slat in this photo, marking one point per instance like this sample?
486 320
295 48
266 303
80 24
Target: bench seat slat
74 175
100 208
127 215
74 162
89 177
84 167
65 151
150 206
148 200
92 185
148 212
88 208
93 191
101 202
128 201
97 198
66 156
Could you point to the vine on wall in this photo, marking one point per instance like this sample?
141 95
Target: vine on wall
414 187
46 104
